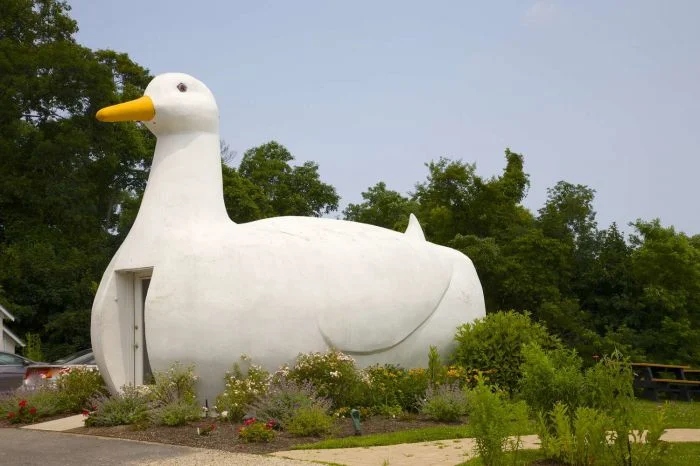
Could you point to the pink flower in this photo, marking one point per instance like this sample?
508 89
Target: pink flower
248 422
86 412
22 403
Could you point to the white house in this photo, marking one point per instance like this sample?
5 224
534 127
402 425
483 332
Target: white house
10 341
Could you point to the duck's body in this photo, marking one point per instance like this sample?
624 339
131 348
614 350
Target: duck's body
271 288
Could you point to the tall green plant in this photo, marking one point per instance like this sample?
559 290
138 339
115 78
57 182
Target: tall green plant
494 344
33 348
437 372
493 417
551 376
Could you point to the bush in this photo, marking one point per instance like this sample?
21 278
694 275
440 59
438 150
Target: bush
605 429
130 407
174 385
551 376
310 421
581 441
242 390
177 413
493 417
76 386
284 398
445 403
23 412
333 374
254 431
493 344
391 386
47 401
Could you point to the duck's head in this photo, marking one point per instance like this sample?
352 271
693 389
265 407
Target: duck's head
172 103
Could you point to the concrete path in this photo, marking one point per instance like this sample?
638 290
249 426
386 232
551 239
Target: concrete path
30 446
437 453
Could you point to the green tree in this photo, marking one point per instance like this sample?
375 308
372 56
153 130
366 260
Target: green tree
274 187
63 177
382 207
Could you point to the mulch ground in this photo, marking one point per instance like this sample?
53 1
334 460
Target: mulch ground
225 437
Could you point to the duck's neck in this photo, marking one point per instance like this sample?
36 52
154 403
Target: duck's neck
185 183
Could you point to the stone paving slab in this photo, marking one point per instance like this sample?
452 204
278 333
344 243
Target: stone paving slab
438 453
59 425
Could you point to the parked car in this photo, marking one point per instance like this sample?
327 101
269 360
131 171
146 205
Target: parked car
12 370
38 374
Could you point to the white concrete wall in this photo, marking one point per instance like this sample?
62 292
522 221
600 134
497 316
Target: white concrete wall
8 344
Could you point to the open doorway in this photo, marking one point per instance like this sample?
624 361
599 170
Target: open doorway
142 367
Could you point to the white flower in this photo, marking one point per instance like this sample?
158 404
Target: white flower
335 374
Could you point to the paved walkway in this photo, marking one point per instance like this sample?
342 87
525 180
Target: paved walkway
62 448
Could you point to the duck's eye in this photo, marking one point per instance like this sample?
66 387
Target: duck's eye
182 87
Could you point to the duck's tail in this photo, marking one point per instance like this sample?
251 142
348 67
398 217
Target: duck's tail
414 229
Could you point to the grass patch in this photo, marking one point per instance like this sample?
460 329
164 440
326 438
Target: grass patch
679 415
679 454
683 454
524 458
425 434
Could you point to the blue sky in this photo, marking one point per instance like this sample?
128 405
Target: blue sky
597 92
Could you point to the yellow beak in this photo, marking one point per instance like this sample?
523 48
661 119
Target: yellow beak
140 109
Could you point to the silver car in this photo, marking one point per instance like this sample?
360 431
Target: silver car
12 369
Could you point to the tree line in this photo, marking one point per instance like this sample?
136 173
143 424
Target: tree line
70 188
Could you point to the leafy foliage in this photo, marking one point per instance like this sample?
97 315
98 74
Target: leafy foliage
284 398
76 386
446 403
241 389
393 386
494 344
129 407
551 376
493 417
334 375
310 421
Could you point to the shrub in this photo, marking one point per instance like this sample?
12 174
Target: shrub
174 385
130 407
254 431
333 374
551 376
493 416
605 429
177 413
609 386
580 441
610 389
494 343
310 421
241 390
23 412
284 398
47 401
446 403
76 386
393 386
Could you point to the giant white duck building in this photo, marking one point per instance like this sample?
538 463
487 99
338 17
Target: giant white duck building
189 285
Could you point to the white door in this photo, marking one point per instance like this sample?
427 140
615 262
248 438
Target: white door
142 369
